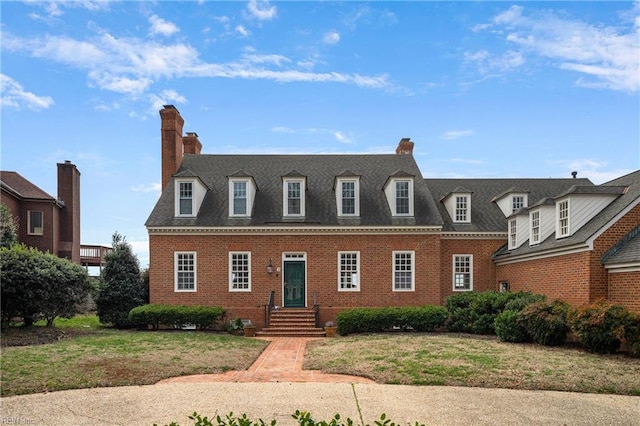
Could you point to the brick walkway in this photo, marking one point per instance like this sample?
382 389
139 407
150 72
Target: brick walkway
281 361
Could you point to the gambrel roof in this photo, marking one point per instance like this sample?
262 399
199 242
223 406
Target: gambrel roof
320 172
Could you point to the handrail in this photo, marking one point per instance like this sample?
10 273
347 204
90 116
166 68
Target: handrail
316 309
269 307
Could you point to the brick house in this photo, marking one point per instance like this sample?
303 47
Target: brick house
50 224
340 231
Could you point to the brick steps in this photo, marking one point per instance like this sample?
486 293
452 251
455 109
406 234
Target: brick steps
289 322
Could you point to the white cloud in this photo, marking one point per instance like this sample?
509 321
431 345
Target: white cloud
456 134
341 137
262 10
160 26
15 96
146 188
282 129
165 97
332 37
240 29
602 56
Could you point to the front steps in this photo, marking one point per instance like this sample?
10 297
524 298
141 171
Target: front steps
292 322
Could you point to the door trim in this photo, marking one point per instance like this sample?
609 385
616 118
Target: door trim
295 257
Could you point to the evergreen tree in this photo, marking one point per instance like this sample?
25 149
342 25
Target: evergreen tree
122 287
8 227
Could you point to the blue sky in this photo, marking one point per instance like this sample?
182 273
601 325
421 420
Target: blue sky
484 89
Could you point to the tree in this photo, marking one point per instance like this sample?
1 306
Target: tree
39 285
8 227
122 287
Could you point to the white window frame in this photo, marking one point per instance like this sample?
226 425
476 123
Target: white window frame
461 209
232 197
179 198
513 233
534 220
517 202
468 264
233 270
563 224
178 269
285 196
353 280
395 269
409 197
356 195
31 230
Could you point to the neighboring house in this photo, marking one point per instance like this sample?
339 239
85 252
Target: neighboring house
48 223
343 231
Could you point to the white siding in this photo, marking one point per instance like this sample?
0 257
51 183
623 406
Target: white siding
584 207
547 221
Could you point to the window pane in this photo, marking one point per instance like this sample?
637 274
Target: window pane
402 197
185 267
240 271
35 223
461 209
403 271
186 198
348 197
348 270
240 198
293 198
462 273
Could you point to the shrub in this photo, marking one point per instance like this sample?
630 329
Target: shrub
370 320
603 327
176 316
509 328
476 312
508 325
546 322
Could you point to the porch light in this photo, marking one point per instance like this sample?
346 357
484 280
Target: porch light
270 267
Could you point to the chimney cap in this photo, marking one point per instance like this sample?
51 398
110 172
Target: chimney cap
170 107
192 134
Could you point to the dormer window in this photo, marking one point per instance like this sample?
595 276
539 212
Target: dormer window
242 192
513 233
517 202
348 196
239 198
534 218
562 229
185 198
294 197
399 192
462 208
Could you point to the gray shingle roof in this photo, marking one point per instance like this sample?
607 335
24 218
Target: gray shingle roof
320 172
485 214
627 250
14 182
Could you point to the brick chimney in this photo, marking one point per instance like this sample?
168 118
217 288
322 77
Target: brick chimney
69 195
191 143
172 145
405 146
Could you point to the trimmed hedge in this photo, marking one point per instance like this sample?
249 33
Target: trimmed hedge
508 325
546 322
176 316
372 320
603 327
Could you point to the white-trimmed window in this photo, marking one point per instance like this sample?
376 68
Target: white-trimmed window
348 197
403 271
403 197
35 222
239 271
349 271
185 198
517 202
513 233
462 208
185 271
535 227
294 197
563 218
239 206
462 272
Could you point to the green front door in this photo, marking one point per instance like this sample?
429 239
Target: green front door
294 284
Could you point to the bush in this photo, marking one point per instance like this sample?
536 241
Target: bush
372 320
476 312
509 328
508 325
603 327
176 316
546 322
